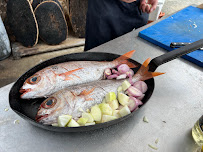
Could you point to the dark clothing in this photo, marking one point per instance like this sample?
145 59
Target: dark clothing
108 19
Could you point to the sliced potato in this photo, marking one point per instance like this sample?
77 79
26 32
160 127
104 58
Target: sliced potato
96 113
63 120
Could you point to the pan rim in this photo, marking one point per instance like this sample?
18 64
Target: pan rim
71 129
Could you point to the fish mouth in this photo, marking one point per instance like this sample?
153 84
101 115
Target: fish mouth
38 118
24 91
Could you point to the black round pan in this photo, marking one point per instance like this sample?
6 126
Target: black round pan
28 109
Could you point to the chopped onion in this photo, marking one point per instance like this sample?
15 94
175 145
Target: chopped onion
134 103
120 107
130 79
141 97
141 85
112 76
132 91
130 73
123 68
122 76
115 72
107 72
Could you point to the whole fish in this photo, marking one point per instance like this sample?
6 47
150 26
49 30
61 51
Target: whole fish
56 77
72 99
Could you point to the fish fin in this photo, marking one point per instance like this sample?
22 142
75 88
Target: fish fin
124 59
85 92
143 72
66 74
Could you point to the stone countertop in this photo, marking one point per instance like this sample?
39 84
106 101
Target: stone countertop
174 107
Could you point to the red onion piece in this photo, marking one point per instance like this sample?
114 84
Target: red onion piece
130 79
107 72
132 91
130 73
115 72
141 97
122 76
112 76
134 103
141 85
123 68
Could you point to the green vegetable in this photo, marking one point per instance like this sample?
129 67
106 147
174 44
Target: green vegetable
125 85
82 121
96 113
55 124
114 104
73 123
88 124
155 148
105 109
88 116
123 99
116 113
124 111
110 96
104 100
120 89
63 120
106 118
145 119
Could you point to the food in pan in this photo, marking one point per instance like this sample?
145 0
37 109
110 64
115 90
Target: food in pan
56 77
71 100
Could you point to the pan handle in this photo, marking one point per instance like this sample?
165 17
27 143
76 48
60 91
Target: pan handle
174 54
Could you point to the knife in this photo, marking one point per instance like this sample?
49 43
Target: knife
179 44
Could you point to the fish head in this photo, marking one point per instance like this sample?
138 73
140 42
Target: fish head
54 106
47 111
36 85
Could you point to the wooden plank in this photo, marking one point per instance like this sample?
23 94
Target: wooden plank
78 10
19 51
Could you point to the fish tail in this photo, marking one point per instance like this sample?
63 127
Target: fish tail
124 59
144 74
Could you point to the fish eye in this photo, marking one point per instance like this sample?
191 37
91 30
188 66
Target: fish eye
49 103
34 79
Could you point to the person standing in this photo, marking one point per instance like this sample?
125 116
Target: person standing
109 19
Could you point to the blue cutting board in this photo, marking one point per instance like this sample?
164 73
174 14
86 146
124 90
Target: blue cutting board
184 26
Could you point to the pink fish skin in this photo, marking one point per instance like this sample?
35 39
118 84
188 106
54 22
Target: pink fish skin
72 99
56 77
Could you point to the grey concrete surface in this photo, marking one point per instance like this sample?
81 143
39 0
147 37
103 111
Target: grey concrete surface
11 69
174 107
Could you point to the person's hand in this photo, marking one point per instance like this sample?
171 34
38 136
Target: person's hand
145 7
128 1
